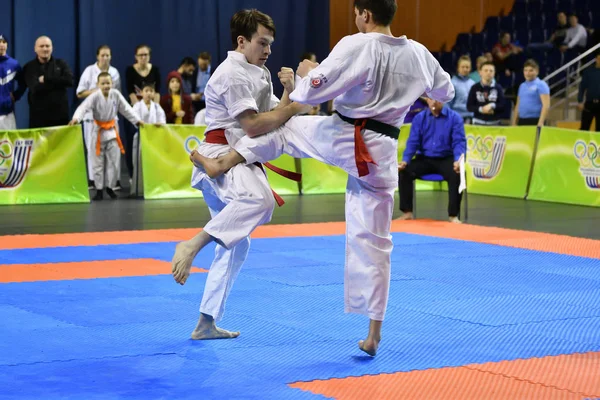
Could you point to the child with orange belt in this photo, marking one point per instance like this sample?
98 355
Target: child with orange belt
105 104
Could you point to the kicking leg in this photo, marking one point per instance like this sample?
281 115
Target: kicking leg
185 252
216 167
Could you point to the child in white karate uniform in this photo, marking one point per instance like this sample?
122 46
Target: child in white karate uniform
149 112
105 104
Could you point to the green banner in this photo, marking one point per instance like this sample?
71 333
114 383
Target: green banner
498 159
168 170
567 167
40 166
166 162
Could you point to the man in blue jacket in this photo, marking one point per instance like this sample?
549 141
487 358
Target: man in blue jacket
10 73
437 138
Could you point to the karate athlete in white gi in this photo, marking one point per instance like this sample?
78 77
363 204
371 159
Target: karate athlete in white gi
87 86
149 112
374 78
239 102
105 104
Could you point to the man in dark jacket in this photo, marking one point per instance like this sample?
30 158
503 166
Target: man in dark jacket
486 98
47 79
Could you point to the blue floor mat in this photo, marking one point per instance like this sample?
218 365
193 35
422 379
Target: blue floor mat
451 303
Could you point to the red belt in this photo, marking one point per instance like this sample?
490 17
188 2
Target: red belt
217 136
361 153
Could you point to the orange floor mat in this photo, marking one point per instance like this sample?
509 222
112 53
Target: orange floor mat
482 234
559 377
85 270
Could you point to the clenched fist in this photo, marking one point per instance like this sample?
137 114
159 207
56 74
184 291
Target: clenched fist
287 76
305 67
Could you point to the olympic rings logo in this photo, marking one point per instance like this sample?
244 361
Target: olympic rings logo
480 147
191 143
587 154
6 151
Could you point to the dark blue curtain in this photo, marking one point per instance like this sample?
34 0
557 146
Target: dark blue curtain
173 29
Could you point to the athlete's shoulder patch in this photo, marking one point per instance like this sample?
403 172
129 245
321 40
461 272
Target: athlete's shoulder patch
318 81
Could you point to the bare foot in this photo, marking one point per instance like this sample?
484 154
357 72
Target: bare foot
455 220
369 346
207 329
406 216
182 261
214 333
213 166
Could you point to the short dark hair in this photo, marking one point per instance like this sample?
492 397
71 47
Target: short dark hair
531 63
100 48
383 10
187 61
205 55
103 75
148 84
245 23
487 63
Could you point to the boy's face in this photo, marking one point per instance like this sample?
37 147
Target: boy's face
203 64
487 72
3 47
105 84
174 85
258 49
530 73
148 94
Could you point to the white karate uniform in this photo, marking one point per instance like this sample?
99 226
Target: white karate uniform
241 199
8 122
103 110
153 114
370 76
89 81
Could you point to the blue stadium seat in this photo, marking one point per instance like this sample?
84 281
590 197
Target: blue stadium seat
534 6
478 44
521 36
519 8
537 36
507 24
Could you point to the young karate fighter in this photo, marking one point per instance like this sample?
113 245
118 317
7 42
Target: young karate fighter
149 112
104 105
87 86
239 101
374 78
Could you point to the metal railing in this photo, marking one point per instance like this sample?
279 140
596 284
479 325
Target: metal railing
571 80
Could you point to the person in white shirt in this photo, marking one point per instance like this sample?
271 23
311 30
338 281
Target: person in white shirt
239 101
149 112
87 86
104 104
374 78
576 37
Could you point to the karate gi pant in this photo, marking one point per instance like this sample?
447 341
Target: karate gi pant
8 122
89 138
369 199
238 201
106 165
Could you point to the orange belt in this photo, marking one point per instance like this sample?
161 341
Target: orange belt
217 136
106 126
